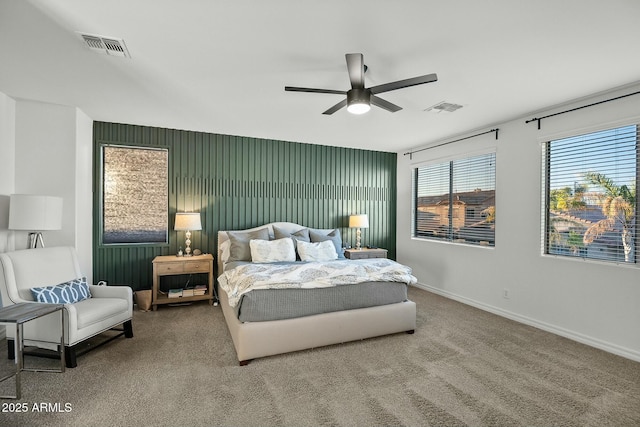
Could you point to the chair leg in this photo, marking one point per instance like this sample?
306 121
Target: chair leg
11 349
70 356
128 329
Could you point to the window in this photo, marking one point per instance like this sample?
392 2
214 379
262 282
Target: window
589 195
455 201
134 195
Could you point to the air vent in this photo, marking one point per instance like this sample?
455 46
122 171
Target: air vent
444 106
107 45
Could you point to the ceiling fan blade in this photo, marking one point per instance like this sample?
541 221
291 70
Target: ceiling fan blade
336 107
355 66
404 83
307 89
386 105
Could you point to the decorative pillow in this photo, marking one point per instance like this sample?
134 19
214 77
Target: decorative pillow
64 293
224 251
319 236
302 234
272 250
239 249
322 251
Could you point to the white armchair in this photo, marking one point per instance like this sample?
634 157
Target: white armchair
107 308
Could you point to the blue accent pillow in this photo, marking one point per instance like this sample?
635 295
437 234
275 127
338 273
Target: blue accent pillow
64 293
334 236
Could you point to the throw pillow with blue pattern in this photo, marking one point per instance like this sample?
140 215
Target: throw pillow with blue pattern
64 293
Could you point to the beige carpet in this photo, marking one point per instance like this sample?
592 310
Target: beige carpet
462 367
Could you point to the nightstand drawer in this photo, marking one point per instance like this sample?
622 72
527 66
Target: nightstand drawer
365 253
195 266
171 268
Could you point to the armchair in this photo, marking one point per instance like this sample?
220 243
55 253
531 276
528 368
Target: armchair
107 308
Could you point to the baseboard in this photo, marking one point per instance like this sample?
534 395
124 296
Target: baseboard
584 339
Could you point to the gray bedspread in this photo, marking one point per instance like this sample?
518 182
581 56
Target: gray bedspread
276 304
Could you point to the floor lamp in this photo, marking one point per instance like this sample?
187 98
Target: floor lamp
35 214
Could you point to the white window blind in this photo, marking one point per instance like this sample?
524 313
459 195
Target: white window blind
590 195
455 201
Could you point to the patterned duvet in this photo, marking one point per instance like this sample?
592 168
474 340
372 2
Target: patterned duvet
245 278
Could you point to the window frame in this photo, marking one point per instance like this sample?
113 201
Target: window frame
101 196
450 239
546 191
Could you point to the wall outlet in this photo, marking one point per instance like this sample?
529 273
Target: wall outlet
505 293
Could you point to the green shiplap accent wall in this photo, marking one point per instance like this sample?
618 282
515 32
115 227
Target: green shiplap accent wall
240 182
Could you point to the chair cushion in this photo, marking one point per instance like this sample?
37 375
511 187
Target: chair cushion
94 310
65 293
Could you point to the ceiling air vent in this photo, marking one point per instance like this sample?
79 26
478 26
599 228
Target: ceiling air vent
444 106
107 45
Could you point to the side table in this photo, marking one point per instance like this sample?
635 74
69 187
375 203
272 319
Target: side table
19 314
365 253
168 265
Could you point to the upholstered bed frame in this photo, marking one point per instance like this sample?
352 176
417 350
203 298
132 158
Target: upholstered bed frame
259 339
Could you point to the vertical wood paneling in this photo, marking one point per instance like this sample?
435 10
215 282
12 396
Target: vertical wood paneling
239 182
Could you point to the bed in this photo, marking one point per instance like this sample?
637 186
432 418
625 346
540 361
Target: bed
270 314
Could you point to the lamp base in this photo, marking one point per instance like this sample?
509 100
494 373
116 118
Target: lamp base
187 243
34 238
358 233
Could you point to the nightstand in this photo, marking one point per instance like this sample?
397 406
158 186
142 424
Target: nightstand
173 265
365 253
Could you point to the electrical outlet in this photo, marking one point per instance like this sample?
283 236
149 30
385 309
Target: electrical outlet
505 293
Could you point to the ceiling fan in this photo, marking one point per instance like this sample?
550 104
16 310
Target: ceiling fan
359 98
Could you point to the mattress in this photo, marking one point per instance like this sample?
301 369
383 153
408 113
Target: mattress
261 305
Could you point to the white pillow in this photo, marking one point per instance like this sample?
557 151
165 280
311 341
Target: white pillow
272 250
321 251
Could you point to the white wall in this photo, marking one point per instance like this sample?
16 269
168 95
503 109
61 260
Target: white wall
7 166
591 302
84 193
46 149
45 160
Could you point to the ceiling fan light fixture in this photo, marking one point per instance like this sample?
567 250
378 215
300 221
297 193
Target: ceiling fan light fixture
360 98
358 108
358 101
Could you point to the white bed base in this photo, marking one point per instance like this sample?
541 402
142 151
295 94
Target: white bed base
259 339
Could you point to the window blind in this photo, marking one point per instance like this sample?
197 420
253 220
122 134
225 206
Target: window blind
590 195
455 201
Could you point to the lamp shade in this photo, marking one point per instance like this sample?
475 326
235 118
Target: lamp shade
359 221
187 221
35 213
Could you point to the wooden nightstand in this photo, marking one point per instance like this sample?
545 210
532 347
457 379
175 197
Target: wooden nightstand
172 265
365 253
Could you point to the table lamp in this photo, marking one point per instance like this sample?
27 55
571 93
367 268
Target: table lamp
358 221
187 221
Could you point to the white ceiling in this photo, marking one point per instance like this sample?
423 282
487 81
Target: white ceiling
221 66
